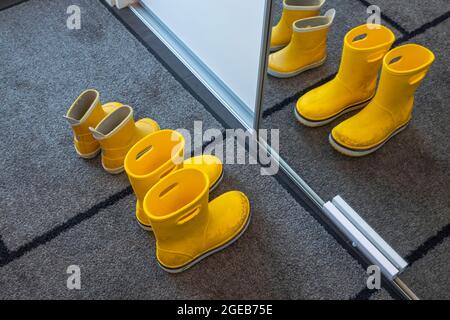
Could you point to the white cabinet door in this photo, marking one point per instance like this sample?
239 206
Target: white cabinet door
227 36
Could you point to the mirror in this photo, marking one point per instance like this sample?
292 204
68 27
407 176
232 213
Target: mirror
200 36
386 187
401 189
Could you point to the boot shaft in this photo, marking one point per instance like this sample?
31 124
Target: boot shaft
404 69
153 158
116 132
362 56
311 34
177 207
390 111
294 10
85 112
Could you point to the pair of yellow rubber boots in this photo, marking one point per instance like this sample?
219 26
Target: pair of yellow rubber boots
172 194
109 128
301 38
388 109
173 200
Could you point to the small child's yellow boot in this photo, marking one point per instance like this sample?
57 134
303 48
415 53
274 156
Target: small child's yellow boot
355 83
293 10
390 111
87 111
117 133
188 228
307 49
157 155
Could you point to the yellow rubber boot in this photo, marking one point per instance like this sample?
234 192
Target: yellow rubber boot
117 133
355 83
293 10
188 228
390 111
157 155
87 111
307 49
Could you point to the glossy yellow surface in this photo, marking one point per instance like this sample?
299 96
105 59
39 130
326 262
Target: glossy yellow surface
157 155
293 10
404 68
187 227
355 83
307 48
117 133
87 111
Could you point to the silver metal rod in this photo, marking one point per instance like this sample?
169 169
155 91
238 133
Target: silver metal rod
406 291
292 174
264 57
370 233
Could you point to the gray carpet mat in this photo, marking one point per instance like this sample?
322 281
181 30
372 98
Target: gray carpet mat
44 68
59 210
285 253
403 189
411 14
431 272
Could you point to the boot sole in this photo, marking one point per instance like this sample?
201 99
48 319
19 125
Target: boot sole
88 156
361 153
284 75
213 187
115 170
320 123
209 253
144 226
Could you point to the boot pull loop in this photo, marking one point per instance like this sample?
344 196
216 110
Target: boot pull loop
359 37
395 60
72 121
97 135
376 57
167 190
143 152
330 14
165 173
417 78
189 216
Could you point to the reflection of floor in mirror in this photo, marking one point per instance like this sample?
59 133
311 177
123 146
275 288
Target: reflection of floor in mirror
58 210
403 189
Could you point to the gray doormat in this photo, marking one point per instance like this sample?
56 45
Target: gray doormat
403 189
59 210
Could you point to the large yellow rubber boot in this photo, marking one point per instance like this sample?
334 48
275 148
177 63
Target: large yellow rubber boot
188 228
355 83
157 155
390 111
293 10
117 133
87 111
307 49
